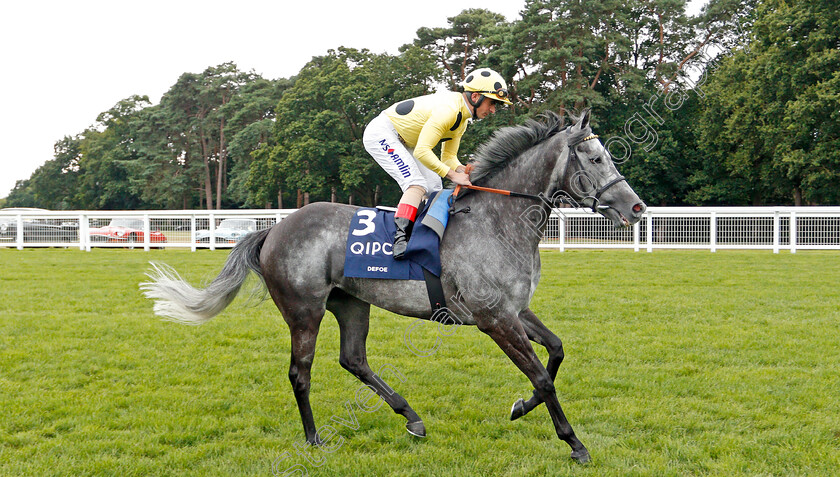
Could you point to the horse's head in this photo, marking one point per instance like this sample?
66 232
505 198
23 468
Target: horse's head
592 180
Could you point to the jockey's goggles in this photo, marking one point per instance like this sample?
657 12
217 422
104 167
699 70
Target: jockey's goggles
501 93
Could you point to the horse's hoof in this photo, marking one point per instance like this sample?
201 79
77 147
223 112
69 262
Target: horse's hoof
581 456
416 429
518 410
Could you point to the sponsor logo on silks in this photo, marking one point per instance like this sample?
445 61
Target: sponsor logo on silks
371 248
401 165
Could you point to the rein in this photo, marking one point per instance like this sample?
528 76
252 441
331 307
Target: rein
540 198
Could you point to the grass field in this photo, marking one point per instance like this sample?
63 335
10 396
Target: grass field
677 363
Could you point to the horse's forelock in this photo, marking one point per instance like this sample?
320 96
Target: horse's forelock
508 143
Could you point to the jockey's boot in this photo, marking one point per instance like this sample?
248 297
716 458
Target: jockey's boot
404 227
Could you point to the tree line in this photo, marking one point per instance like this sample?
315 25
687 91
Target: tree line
739 105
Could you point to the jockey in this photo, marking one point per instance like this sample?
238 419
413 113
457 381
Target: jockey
402 137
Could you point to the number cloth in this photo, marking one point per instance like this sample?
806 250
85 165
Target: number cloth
369 252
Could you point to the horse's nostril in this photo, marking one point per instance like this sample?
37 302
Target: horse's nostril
639 208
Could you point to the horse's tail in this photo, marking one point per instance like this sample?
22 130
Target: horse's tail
177 300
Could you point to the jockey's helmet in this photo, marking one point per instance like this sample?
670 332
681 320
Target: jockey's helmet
487 82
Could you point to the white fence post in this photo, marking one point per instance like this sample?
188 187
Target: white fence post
19 228
776 231
713 231
637 230
82 232
561 235
212 229
86 219
192 233
649 231
147 232
793 232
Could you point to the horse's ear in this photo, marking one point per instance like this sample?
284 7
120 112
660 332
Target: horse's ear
584 122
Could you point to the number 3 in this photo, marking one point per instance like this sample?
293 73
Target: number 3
365 218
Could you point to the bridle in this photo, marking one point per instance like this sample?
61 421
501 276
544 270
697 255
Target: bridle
551 201
574 159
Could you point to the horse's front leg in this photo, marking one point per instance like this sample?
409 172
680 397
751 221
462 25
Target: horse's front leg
510 335
540 334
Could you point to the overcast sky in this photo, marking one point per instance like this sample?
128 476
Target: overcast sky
64 62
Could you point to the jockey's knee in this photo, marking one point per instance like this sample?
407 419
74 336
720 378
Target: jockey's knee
413 195
416 189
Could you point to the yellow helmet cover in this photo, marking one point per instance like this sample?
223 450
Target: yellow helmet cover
488 83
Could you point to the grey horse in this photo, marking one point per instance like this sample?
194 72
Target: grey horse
490 257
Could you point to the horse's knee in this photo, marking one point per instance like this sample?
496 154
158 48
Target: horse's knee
300 383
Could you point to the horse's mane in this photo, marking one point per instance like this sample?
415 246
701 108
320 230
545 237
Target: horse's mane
510 142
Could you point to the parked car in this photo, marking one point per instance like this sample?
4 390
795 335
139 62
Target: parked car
36 230
228 231
124 230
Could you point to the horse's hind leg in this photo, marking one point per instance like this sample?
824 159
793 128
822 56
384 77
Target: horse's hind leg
353 320
303 326
540 334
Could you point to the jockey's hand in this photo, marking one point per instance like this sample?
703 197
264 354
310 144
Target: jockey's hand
460 169
459 178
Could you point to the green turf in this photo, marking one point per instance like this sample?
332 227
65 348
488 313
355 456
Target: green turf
677 363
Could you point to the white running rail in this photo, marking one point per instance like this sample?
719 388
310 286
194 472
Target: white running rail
707 228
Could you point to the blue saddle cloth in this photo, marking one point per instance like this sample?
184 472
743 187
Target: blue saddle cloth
370 241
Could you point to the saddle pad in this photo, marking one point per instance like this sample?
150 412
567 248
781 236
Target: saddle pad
369 251
370 241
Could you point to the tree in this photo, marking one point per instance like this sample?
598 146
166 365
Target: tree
739 168
105 159
797 57
461 46
474 38
219 86
191 141
771 114
195 114
251 127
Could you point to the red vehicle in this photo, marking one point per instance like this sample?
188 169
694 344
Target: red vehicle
124 230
